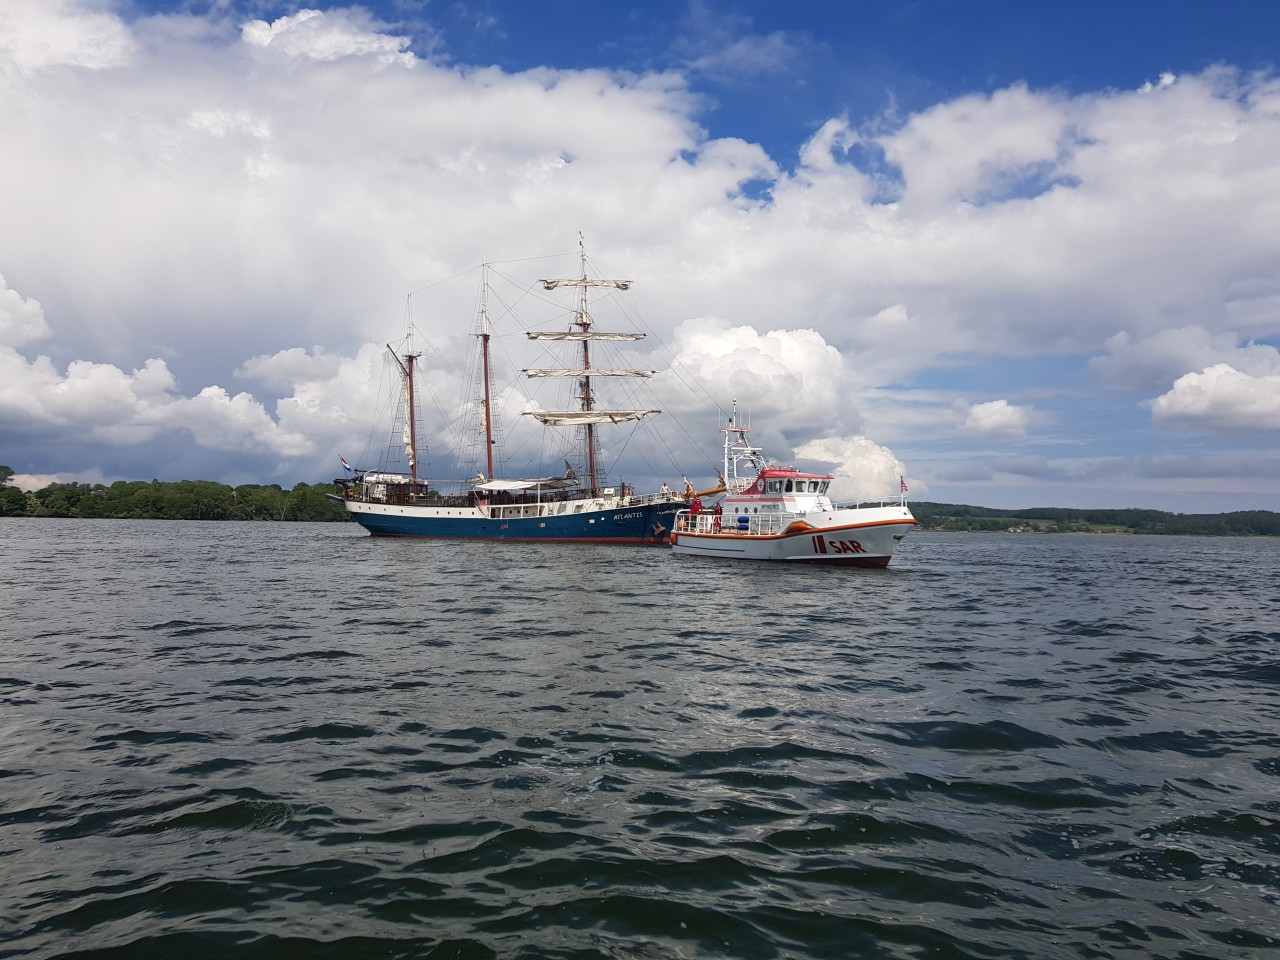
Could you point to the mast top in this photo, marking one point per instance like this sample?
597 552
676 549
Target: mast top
583 281
732 426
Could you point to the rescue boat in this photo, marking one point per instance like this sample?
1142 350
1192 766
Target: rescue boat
770 512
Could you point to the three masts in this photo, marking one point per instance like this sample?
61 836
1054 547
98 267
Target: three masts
545 508
769 512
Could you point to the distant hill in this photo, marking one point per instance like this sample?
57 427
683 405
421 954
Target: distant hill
959 516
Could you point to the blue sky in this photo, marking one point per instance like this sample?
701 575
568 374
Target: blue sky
1022 253
776 71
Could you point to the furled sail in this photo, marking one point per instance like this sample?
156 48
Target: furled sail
406 381
570 418
586 282
585 372
581 335
580 332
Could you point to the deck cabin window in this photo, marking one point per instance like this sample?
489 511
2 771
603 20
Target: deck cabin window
775 486
825 484
788 487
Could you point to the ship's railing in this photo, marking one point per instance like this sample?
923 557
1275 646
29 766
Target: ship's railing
385 488
395 490
400 495
645 499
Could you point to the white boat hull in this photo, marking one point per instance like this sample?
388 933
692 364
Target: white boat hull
859 537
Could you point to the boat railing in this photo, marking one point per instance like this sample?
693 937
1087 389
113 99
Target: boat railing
743 524
869 502
765 524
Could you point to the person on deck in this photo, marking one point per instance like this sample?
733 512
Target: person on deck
716 514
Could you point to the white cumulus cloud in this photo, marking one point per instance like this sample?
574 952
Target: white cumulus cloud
21 318
863 469
186 202
101 403
320 35
996 418
790 379
1221 397
36 34
1143 363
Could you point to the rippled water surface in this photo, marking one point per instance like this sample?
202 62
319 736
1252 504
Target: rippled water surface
292 740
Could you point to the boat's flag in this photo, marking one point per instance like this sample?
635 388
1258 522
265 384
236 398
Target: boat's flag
903 482
345 466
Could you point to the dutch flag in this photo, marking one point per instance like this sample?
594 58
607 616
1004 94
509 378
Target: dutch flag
345 466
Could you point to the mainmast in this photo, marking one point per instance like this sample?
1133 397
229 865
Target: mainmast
587 415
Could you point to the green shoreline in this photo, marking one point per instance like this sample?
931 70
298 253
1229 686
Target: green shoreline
206 500
180 500
963 517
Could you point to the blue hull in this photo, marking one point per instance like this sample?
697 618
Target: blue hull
649 524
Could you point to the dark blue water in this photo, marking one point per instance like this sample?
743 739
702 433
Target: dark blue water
276 740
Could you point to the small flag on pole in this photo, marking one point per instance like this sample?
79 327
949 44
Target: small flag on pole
345 466
903 482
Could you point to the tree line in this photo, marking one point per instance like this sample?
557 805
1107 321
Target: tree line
956 516
180 500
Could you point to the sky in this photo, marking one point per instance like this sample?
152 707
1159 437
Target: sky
1019 254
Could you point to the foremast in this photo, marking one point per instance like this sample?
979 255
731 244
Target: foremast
487 412
405 364
587 416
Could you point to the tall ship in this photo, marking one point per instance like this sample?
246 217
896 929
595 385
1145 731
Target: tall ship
580 505
779 513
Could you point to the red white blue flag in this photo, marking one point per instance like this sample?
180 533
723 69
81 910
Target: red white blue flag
345 466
